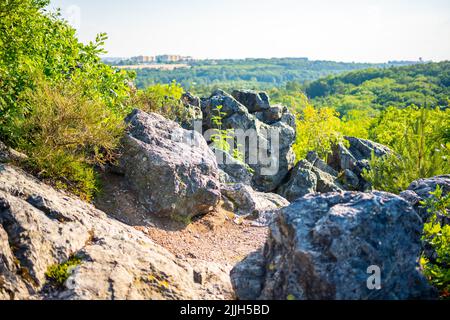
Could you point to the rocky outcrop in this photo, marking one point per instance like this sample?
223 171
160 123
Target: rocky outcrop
41 227
172 170
352 159
245 201
274 156
254 101
419 190
329 246
192 112
233 170
310 175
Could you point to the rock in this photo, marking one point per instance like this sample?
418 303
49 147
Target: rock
356 157
267 147
350 180
306 178
117 261
419 190
189 99
172 170
321 246
193 112
302 180
254 101
325 181
314 159
274 114
10 155
253 204
247 275
236 171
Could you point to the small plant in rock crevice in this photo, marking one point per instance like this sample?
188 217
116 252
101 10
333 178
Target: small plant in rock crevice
59 273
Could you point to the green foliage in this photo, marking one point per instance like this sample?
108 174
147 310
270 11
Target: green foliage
59 273
419 138
203 76
291 96
58 102
437 236
35 43
377 89
221 137
318 130
65 133
164 99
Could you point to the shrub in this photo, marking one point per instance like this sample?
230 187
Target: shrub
420 140
164 99
34 44
318 130
437 236
65 133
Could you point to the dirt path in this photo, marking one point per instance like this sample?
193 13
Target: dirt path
216 237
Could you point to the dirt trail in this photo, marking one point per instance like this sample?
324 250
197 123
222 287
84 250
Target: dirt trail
215 237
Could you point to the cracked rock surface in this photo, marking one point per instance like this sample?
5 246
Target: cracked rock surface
41 227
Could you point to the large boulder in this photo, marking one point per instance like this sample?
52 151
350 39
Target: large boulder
172 170
42 228
259 206
330 246
301 181
254 101
267 146
310 175
351 160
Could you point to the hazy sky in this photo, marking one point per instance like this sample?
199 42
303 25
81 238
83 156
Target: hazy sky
344 30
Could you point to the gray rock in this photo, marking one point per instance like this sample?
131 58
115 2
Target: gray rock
356 157
117 261
246 276
253 204
172 170
321 246
314 159
254 101
420 189
236 116
193 112
306 178
189 99
236 171
350 180
325 181
302 180
10 155
274 114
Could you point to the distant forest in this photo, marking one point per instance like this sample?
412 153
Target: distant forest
250 73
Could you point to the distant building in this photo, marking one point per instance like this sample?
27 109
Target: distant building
143 59
165 58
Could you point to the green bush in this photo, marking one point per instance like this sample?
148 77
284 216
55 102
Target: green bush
65 133
164 99
59 103
317 130
421 145
437 236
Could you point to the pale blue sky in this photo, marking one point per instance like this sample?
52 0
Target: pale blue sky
344 30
